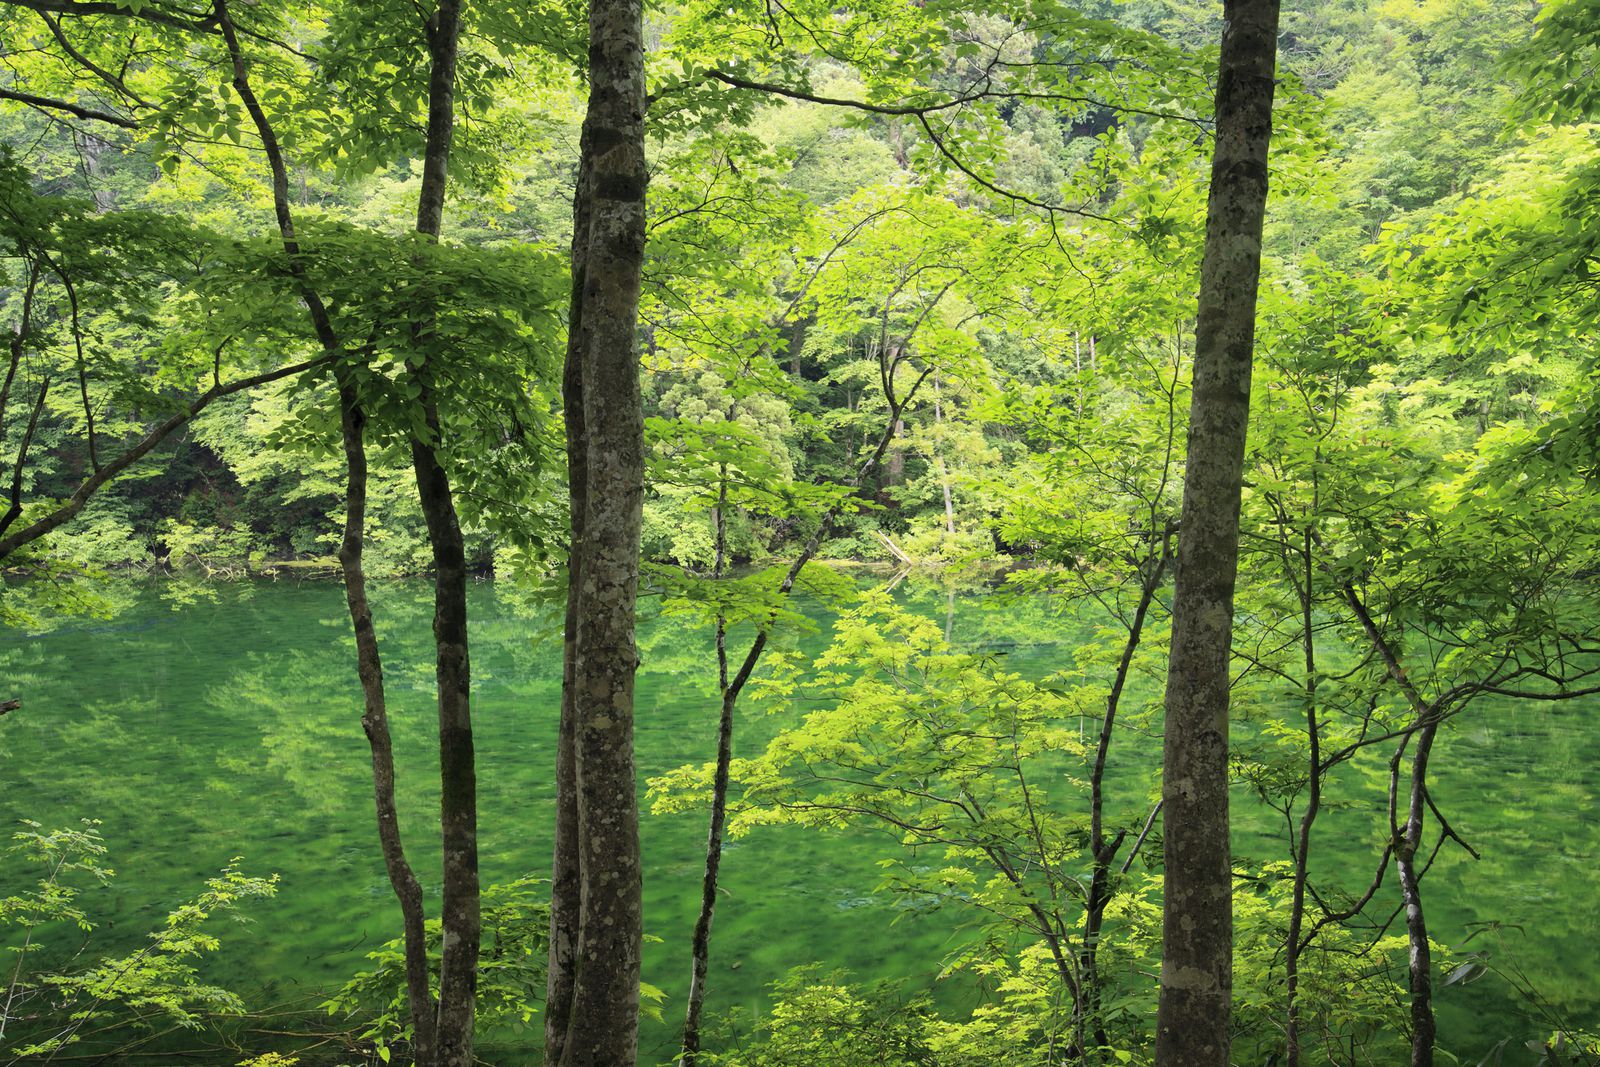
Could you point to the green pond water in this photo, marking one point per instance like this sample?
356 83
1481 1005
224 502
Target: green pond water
202 728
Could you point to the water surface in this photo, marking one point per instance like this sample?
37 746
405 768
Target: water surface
202 729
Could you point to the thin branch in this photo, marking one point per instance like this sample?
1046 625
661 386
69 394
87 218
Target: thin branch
66 512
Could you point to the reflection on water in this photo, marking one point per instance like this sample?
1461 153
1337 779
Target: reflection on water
229 724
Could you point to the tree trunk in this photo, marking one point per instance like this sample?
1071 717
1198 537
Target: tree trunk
458 789
602 1016
565 876
730 689
895 469
797 344
458 804
1420 957
369 668
700 943
1302 848
375 723
1103 849
1197 928
1404 841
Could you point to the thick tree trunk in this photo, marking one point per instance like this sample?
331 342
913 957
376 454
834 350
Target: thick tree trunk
1197 928
602 1019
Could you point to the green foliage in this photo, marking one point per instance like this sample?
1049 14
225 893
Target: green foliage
511 974
1353 989
53 998
968 232
818 1018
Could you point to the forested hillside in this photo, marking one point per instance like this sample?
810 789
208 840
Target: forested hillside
792 242
696 328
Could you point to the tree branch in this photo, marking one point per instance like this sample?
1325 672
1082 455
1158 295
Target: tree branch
66 512
45 103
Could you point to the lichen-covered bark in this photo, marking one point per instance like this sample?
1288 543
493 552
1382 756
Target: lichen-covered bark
602 1021
1197 928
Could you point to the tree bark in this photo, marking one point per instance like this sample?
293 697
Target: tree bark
700 943
1302 849
369 667
375 723
1197 927
1407 842
602 1016
565 875
458 803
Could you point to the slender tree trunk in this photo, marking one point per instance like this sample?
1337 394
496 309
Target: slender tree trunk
375 723
1197 928
1302 851
1406 846
19 340
565 876
458 806
1406 839
700 944
458 801
602 1021
730 690
19 466
1103 849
